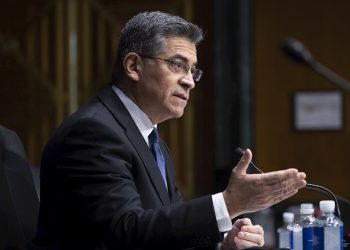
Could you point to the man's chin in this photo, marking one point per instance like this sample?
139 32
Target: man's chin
179 113
175 114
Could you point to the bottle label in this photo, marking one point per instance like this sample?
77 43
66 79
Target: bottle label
284 239
328 238
308 238
297 240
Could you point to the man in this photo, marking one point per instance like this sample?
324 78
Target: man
107 182
19 204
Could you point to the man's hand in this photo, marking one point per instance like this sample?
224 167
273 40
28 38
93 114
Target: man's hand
246 193
243 235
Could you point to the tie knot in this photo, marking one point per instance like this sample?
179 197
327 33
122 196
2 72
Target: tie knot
153 137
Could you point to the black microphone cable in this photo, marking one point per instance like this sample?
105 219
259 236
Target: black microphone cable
308 185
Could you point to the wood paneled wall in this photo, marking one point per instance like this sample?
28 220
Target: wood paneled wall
324 27
58 53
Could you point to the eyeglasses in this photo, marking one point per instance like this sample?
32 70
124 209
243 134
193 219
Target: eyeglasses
178 67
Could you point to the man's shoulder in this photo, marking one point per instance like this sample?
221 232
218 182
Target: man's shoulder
11 141
7 133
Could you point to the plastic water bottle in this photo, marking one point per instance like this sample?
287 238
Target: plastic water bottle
285 232
330 228
302 238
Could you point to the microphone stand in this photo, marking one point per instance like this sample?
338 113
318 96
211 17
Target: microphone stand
330 75
327 192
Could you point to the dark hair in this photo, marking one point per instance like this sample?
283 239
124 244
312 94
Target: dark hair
146 32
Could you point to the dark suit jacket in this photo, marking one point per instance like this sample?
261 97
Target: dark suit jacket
101 188
19 202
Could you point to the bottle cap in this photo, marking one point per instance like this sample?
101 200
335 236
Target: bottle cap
327 206
306 208
288 217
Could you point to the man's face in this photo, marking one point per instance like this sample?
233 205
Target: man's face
163 94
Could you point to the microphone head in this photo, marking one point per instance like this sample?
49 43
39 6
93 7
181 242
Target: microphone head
239 151
297 51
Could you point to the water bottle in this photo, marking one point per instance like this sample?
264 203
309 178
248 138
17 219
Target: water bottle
330 228
302 237
284 232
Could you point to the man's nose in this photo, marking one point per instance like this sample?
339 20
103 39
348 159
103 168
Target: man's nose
188 80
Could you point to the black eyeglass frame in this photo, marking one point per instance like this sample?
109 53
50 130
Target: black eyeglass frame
196 73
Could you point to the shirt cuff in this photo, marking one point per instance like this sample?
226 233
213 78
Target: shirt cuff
222 217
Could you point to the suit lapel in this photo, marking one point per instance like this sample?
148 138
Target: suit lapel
169 171
120 113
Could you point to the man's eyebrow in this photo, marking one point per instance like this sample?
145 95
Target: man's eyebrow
182 58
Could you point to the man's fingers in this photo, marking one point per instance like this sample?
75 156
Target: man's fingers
271 178
280 180
287 185
250 236
242 166
238 224
253 229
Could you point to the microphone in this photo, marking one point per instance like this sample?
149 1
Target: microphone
310 186
298 52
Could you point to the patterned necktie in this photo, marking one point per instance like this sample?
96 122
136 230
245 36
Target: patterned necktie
157 152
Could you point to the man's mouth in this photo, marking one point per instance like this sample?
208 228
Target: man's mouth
182 96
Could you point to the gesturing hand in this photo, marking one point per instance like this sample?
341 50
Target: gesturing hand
247 193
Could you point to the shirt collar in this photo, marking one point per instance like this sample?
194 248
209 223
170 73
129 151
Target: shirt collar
142 121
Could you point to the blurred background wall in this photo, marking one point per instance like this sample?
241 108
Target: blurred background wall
55 54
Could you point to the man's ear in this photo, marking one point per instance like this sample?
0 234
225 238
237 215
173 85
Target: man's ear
132 66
